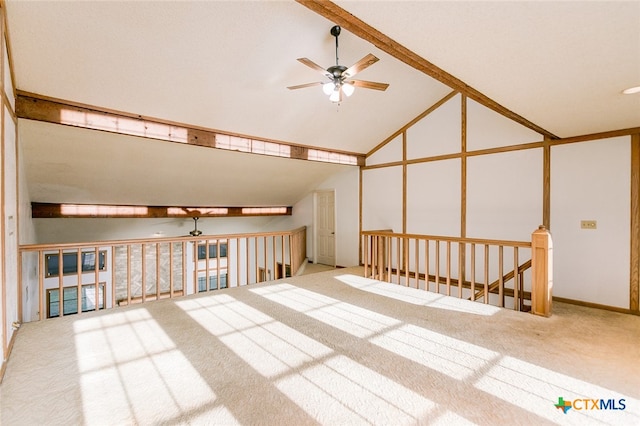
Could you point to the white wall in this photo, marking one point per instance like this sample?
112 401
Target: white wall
438 133
433 198
10 219
504 195
591 181
346 187
88 229
382 199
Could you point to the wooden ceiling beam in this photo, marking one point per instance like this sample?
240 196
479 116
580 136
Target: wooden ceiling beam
57 210
356 26
36 107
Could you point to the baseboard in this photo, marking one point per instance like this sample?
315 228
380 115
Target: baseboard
595 305
9 349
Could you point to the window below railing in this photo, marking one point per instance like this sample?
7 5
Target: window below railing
70 299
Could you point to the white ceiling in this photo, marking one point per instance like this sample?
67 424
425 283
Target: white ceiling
225 65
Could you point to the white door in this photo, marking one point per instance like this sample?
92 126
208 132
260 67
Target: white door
325 228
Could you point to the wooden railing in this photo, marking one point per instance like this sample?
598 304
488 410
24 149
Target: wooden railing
497 272
102 275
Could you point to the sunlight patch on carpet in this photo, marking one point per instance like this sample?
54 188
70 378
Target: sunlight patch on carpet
344 316
416 296
268 346
537 389
119 351
342 391
455 358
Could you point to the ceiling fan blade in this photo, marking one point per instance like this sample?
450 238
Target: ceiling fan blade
368 84
302 86
360 65
313 65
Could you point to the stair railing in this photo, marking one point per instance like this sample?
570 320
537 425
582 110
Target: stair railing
492 271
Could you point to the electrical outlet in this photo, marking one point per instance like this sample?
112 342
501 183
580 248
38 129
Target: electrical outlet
588 224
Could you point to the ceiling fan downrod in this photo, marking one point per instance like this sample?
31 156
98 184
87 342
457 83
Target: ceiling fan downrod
337 69
335 31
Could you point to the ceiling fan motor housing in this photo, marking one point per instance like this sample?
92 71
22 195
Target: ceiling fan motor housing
337 71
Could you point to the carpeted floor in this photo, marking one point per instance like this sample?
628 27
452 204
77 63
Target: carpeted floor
328 348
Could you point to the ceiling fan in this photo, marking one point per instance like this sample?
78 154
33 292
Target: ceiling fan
340 77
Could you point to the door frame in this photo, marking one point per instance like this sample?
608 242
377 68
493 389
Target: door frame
315 225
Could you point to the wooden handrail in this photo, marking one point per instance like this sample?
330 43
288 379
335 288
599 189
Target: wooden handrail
107 243
461 240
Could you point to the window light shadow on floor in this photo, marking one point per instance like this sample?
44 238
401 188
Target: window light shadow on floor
444 354
330 387
529 387
349 318
111 380
333 361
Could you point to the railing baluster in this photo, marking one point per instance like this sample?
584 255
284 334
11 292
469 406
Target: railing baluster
448 268
437 266
426 264
273 245
501 276
473 271
207 271
387 256
367 241
128 274
516 283
248 263
113 279
405 258
284 265
97 276
184 268
264 249
417 263
398 261
218 276
171 283
79 280
196 265
255 247
41 274
238 261
144 272
291 262
460 269
157 271
486 274
60 283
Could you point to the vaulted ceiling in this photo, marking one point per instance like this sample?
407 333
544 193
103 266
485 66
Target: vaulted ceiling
226 65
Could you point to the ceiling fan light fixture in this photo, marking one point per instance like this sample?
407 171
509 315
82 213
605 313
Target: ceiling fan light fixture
335 95
348 89
328 88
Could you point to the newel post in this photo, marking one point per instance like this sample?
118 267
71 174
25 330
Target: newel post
541 271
